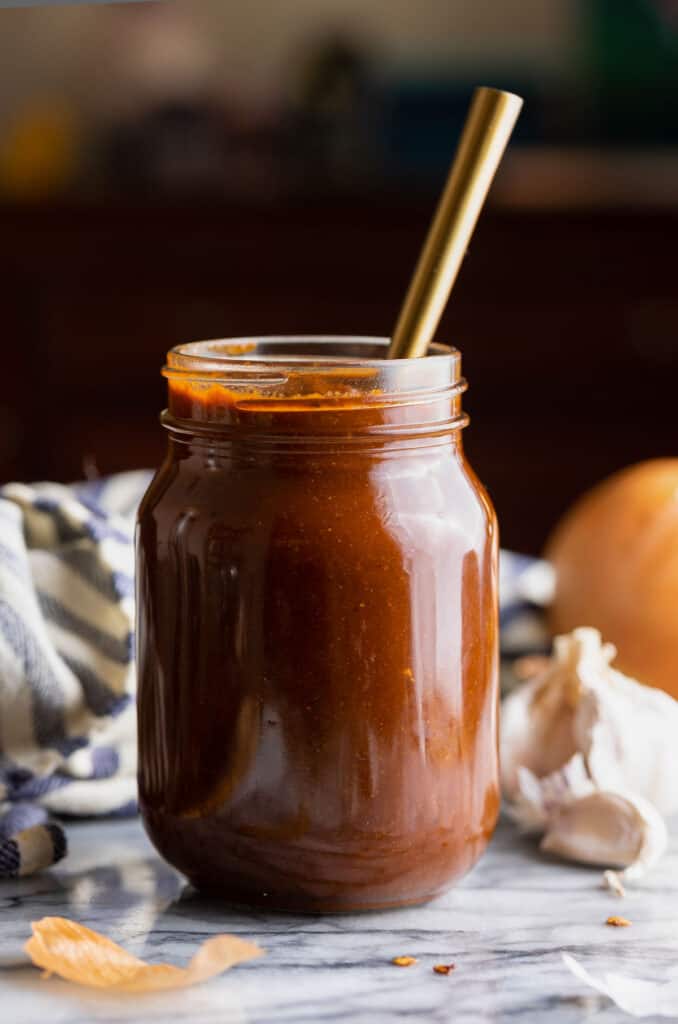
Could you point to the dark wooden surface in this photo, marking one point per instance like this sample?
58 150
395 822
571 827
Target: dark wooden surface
568 323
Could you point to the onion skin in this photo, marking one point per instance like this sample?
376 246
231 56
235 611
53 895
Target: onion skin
615 553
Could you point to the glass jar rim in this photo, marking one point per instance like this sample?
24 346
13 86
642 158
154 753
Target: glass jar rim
303 386
272 362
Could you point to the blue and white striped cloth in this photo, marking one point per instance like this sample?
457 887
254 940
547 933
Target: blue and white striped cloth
67 717
525 589
67 674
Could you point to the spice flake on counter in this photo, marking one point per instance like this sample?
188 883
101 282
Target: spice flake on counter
444 968
618 922
404 961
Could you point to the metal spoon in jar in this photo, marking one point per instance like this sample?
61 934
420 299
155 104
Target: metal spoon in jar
488 127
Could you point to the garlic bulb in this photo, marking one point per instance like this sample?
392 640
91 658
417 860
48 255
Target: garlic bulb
588 757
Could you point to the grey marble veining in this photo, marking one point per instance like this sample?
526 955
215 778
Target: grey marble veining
504 926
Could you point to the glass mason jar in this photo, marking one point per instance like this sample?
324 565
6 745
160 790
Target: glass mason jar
317 627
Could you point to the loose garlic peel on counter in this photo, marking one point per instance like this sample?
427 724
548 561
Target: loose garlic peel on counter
78 954
589 759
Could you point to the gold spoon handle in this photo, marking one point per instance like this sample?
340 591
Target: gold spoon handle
488 127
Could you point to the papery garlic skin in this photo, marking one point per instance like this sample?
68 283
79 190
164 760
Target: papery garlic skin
589 758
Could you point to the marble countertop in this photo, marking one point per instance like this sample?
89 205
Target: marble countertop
504 927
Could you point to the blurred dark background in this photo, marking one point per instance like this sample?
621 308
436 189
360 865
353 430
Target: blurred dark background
177 171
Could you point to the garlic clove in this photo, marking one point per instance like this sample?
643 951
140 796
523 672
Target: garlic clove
608 829
536 800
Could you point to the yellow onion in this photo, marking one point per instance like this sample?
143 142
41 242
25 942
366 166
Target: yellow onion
615 553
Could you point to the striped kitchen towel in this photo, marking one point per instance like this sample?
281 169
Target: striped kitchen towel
67 681
67 725
526 588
